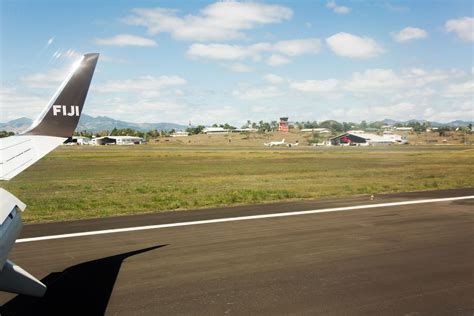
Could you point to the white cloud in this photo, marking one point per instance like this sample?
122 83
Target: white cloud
140 109
413 94
352 46
218 21
273 79
155 102
126 40
397 111
337 9
385 93
396 8
383 80
298 47
329 85
50 41
409 34
217 113
112 59
52 78
49 79
412 84
419 77
280 51
460 90
145 85
257 93
16 104
405 111
450 112
221 51
463 27
277 60
374 80
238 67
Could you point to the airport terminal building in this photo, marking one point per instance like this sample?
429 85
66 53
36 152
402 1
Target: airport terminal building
117 140
366 139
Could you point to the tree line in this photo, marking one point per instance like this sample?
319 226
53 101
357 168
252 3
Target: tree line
6 134
125 132
265 127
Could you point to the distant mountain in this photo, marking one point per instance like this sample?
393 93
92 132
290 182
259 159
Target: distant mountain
17 125
388 122
453 123
95 124
416 121
393 122
101 123
435 124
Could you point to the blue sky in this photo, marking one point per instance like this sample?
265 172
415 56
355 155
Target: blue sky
208 62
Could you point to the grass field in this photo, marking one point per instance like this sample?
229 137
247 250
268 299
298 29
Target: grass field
257 139
85 181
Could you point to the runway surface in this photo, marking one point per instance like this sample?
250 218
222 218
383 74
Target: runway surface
395 260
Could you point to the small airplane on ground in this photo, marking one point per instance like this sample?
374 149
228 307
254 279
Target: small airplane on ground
275 143
54 126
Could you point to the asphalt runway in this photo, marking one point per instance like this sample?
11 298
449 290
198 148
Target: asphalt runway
413 259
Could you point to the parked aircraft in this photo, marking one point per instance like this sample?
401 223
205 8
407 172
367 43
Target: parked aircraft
275 143
53 127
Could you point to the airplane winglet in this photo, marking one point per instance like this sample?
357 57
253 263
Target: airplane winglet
61 116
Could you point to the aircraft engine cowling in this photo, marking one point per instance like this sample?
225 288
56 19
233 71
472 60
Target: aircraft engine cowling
13 278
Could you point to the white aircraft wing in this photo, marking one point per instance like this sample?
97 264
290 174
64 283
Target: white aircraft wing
19 152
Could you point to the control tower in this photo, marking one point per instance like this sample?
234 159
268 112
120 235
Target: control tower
283 125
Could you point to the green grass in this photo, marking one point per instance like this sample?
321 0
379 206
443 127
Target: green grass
80 182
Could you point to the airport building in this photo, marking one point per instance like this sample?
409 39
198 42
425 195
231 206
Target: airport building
404 129
80 140
117 140
180 134
215 130
283 125
316 130
366 139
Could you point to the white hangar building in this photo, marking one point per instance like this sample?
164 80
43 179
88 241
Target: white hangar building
117 140
366 139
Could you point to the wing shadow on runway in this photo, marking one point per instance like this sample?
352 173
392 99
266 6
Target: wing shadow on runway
83 289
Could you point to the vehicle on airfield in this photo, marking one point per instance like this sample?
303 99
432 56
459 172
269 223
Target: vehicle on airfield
293 144
54 126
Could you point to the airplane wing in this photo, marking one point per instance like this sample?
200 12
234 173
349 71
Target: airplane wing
54 125
19 152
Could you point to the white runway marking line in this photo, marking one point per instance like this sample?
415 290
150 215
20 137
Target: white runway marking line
242 218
